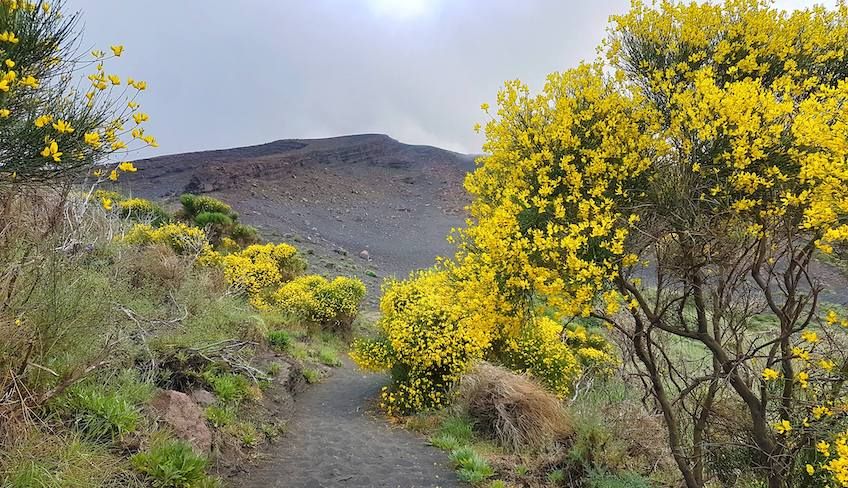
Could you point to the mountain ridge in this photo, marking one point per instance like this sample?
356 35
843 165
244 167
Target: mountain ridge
333 197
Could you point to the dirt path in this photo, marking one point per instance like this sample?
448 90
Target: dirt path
334 442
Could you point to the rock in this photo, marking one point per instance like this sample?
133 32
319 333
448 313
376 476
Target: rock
196 185
202 397
364 254
184 417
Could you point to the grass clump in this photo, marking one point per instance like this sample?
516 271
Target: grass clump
471 466
512 410
220 416
312 375
280 339
173 464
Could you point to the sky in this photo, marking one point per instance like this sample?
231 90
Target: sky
234 73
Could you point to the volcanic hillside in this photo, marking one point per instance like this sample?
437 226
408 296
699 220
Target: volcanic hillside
334 198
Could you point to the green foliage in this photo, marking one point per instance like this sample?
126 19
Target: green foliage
141 210
445 442
228 387
279 339
623 480
220 415
244 235
204 219
48 460
328 356
39 83
178 236
110 410
194 205
312 376
471 466
173 464
556 477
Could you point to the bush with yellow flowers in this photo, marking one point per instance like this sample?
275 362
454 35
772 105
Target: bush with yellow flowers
178 236
558 356
49 128
428 340
260 269
143 210
331 304
708 143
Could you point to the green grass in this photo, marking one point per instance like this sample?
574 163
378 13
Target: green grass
173 464
471 467
220 416
328 355
228 387
279 339
312 375
47 460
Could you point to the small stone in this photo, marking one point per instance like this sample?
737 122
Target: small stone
202 397
364 254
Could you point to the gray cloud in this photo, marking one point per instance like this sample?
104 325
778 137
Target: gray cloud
224 74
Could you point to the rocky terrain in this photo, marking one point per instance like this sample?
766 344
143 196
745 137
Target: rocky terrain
364 205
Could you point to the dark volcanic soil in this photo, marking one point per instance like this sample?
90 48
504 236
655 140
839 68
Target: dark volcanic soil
333 198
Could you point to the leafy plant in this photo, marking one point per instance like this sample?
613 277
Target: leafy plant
102 414
279 339
471 467
220 416
173 464
311 375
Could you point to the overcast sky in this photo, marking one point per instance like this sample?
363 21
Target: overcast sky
226 74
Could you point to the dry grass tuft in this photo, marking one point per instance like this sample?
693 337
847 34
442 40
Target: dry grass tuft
513 410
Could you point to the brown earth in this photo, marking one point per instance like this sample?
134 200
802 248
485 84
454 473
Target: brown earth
333 198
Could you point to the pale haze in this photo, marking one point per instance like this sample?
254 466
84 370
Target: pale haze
227 74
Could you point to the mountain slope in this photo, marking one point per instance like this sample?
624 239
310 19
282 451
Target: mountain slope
333 196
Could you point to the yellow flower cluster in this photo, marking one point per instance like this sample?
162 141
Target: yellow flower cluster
331 304
429 339
178 236
261 268
142 210
72 131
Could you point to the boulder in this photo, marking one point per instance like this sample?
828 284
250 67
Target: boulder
184 418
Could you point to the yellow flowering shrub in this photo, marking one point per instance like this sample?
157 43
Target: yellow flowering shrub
51 126
428 341
178 236
330 304
710 143
260 268
142 210
540 350
557 356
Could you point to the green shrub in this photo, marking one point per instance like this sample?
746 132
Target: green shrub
279 339
312 376
328 356
173 464
204 219
446 442
244 235
178 236
193 205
